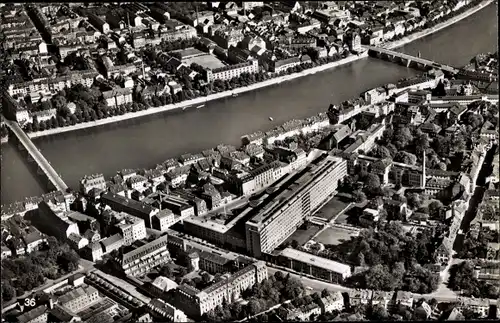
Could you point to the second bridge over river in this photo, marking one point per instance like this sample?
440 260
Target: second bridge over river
408 59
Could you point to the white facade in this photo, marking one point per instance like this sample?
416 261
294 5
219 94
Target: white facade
277 222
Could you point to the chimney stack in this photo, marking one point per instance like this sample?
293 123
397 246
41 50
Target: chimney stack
423 171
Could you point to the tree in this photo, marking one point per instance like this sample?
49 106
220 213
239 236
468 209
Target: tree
182 272
381 152
279 275
236 310
435 208
68 261
325 293
379 313
43 126
28 127
372 181
359 196
414 201
167 271
8 292
439 90
35 125
253 307
205 277
406 158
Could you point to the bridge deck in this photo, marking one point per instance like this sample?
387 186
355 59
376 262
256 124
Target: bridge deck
41 161
412 58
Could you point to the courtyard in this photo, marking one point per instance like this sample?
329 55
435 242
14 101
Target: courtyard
334 236
206 61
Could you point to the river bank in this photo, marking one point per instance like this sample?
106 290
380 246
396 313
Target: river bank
200 100
274 81
438 27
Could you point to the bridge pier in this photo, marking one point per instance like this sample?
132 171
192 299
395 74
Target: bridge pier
408 62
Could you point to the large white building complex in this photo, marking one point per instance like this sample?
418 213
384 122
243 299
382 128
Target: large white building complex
300 196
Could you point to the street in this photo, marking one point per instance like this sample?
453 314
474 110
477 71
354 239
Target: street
442 294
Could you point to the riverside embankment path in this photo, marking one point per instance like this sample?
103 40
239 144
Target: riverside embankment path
145 141
253 87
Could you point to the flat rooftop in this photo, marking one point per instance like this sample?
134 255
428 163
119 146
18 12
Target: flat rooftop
173 235
293 186
316 261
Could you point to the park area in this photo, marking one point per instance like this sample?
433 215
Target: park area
334 236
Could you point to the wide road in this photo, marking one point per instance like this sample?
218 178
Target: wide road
318 286
145 142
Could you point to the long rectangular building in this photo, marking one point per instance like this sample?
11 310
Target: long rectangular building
316 266
297 198
146 257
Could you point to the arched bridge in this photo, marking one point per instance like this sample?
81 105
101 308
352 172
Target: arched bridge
37 156
408 58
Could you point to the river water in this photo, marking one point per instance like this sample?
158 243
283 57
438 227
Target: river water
150 140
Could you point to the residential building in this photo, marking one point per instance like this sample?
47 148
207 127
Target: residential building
131 228
231 71
141 260
122 204
333 302
259 178
477 305
93 251
55 223
114 242
359 297
195 303
37 315
93 181
79 298
167 311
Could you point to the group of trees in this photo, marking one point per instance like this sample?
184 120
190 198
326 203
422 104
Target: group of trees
363 185
407 144
299 302
4 131
477 248
462 278
395 259
24 274
272 291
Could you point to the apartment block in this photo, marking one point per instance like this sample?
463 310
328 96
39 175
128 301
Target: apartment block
146 257
195 303
122 204
131 227
232 71
79 298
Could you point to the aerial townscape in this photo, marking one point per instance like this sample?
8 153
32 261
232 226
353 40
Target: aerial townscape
382 205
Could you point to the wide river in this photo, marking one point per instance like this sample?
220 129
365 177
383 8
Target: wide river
150 140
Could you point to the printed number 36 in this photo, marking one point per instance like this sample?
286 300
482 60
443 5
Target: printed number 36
29 302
